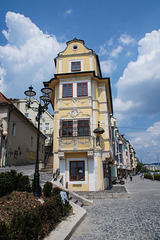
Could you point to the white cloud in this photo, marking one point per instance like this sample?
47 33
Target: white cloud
126 39
103 50
68 12
140 83
146 140
108 66
20 29
28 57
154 130
115 52
2 84
129 53
110 42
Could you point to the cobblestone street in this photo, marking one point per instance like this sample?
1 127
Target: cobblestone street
137 217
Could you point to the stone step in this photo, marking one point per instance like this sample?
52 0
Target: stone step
115 192
45 170
72 194
49 166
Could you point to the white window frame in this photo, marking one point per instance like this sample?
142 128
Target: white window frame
75 60
68 168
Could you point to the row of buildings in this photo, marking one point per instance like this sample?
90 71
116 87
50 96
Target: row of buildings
86 145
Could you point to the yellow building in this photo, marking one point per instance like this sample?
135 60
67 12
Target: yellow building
81 98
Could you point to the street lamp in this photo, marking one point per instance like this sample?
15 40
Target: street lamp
41 109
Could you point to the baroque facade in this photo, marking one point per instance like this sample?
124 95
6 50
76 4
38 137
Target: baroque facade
82 104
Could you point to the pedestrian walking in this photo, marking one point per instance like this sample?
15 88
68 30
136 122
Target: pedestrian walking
152 174
143 176
130 177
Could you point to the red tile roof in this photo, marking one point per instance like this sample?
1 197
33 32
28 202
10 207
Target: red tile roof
3 99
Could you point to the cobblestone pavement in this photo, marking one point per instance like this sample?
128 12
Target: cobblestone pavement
135 218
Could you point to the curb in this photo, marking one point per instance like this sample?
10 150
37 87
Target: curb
67 227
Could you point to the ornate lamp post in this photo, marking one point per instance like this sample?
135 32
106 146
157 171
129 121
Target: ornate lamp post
41 109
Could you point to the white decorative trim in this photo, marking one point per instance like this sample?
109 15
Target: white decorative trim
91 174
97 153
75 144
61 155
64 115
59 103
62 170
83 101
87 115
90 154
76 60
90 62
74 113
74 102
66 103
60 65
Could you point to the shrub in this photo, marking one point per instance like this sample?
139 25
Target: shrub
56 191
5 233
47 190
23 183
10 181
31 224
148 176
6 184
157 176
26 225
36 223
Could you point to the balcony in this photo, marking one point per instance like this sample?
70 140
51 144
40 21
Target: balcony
77 143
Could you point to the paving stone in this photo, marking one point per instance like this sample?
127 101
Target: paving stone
134 218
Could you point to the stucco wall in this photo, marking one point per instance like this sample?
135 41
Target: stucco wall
21 140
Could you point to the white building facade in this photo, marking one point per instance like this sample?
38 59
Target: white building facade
46 122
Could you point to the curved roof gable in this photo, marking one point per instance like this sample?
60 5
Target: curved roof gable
75 46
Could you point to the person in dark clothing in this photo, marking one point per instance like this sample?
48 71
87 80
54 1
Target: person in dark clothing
130 177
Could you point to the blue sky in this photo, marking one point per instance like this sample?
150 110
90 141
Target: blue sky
124 33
